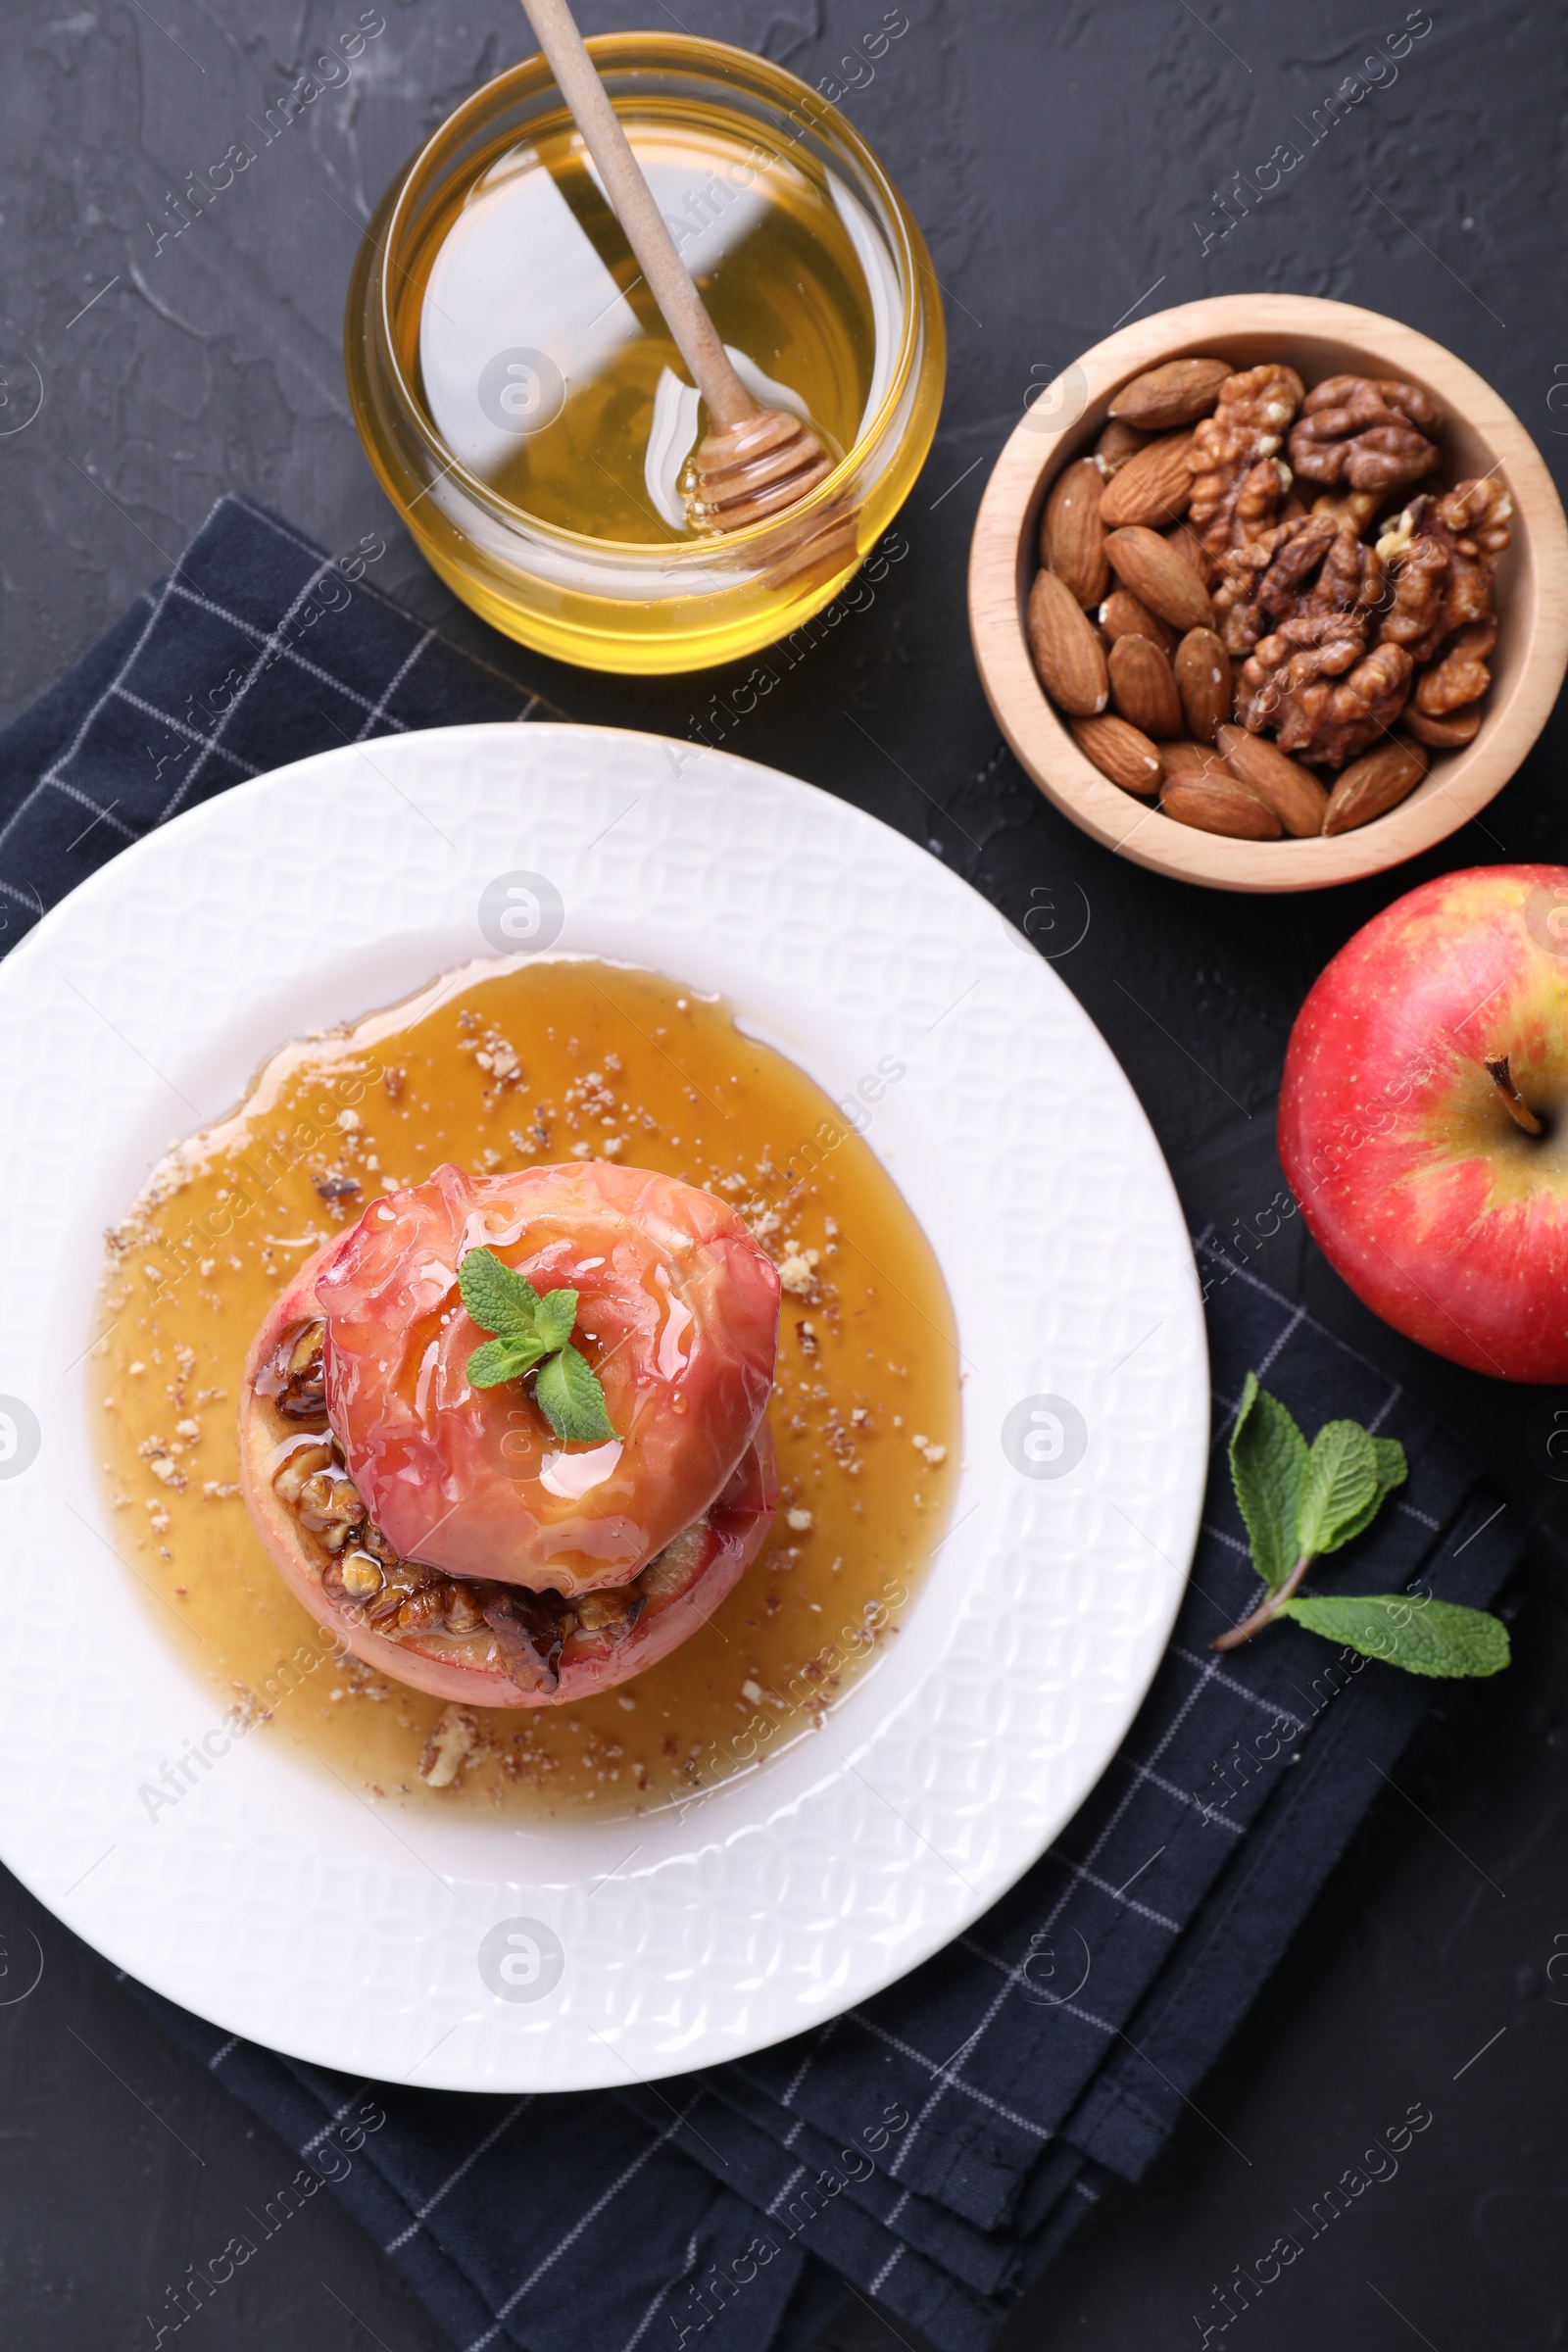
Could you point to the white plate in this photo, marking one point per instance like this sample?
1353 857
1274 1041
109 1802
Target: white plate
278 1905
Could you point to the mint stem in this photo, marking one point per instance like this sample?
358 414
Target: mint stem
1267 1609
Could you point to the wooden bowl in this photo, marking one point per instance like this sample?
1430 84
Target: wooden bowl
1481 434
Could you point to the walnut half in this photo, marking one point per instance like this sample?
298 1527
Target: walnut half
1239 480
1367 432
1320 690
1443 610
1312 563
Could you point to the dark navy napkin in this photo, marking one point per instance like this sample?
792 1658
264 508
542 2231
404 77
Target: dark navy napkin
931 2151
257 649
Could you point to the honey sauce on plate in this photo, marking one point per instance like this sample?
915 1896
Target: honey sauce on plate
495 1067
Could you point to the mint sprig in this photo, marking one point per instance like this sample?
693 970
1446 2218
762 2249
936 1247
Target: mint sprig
1423 1636
1298 1501
1268 1464
532 1334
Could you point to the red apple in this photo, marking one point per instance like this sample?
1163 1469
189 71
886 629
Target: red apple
1424 1117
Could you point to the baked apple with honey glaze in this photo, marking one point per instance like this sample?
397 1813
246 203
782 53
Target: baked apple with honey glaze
413 1487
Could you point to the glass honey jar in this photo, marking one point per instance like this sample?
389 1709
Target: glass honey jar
525 409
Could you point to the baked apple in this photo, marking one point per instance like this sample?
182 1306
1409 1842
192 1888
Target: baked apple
485 1508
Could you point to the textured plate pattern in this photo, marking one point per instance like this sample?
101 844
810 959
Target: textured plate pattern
290 1911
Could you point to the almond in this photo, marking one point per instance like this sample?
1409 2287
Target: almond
1142 687
1160 577
1219 804
1188 544
1120 753
1072 539
1067 653
1375 784
1178 393
1444 734
1154 487
1116 444
1123 615
1187 762
1295 797
1202 671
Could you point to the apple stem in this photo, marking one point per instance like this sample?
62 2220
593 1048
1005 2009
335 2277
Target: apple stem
1266 1611
1498 1069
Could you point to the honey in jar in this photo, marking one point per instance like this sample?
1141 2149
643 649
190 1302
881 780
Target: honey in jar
523 401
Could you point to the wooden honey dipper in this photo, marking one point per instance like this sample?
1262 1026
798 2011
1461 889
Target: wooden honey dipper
752 464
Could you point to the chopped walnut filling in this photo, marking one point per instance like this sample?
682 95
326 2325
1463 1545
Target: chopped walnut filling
295 1380
362 1575
530 1630
464 1613
355 1577
304 1460
328 1504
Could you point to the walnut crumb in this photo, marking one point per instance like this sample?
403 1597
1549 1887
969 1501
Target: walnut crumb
798 1270
248 1710
453 1742
500 1056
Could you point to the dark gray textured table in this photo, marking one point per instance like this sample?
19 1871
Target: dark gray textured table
1070 165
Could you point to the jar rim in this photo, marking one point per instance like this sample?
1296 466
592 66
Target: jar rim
704 60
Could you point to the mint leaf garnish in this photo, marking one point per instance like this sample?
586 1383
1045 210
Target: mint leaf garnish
533 1335
1423 1636
570 1398
1268 1464
502 1360
555 1319
498 1297
1342 1479
1298 1503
